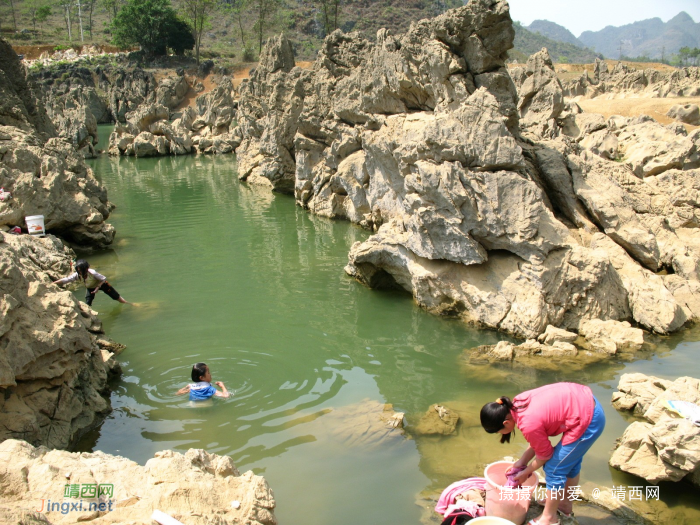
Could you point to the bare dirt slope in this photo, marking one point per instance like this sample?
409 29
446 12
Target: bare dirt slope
633 107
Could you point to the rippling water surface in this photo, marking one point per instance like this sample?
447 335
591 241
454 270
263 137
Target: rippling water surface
247 282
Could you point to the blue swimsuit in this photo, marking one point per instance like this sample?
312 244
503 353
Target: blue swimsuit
201 391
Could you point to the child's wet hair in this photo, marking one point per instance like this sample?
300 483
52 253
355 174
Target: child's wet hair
199 370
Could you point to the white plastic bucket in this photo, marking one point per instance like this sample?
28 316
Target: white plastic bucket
503 502
490 520
35 225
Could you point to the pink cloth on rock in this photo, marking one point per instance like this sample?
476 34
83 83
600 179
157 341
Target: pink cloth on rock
552 410
471 507
448 495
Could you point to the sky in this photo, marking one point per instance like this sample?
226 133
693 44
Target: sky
593 15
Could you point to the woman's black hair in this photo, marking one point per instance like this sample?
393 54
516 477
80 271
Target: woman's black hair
494 414
81 266
199 370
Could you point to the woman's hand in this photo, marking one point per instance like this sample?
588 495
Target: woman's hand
521 477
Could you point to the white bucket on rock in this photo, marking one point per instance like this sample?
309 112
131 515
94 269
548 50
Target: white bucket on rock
35 225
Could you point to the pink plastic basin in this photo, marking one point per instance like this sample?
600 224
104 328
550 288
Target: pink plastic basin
506 502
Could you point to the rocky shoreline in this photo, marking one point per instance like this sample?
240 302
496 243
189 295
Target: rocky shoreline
493 200
55 362
491 197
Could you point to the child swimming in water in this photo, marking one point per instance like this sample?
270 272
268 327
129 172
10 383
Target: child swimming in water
202 389
93 282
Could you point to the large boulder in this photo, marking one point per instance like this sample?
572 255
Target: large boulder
193 488
636 392
50 178
53 372
667 447
268 114
540 95
686 113
45 174
618 335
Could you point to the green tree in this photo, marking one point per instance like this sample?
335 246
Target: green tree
31 8
264 10
684 53
90 6
145 23
66 6
197 14
329 9
236 8
180 37
42 15
112 7
12 10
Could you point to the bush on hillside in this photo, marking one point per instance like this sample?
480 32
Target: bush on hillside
153 25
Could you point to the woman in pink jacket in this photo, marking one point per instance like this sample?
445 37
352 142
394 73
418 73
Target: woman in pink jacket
569 409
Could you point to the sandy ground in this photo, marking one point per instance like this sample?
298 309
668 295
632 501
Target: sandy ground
633 107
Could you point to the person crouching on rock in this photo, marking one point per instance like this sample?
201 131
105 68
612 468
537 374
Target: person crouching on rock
560 408
202 389
93 282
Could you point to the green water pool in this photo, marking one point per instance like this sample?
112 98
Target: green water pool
254 286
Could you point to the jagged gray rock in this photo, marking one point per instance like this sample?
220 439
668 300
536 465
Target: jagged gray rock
148 130
45 174
490 199
667 448
190 487
687 113
624 81
52 369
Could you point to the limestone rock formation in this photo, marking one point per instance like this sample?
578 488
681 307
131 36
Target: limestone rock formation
611 336
667 448
44 173
74 119
492 199
196 488
687 113
624 81
636 392
268 114
552 335
148 130
53 371
540 94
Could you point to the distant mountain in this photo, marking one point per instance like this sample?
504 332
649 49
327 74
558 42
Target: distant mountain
555 32
526 43
650 37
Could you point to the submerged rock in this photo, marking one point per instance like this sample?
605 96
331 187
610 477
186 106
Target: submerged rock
438 420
